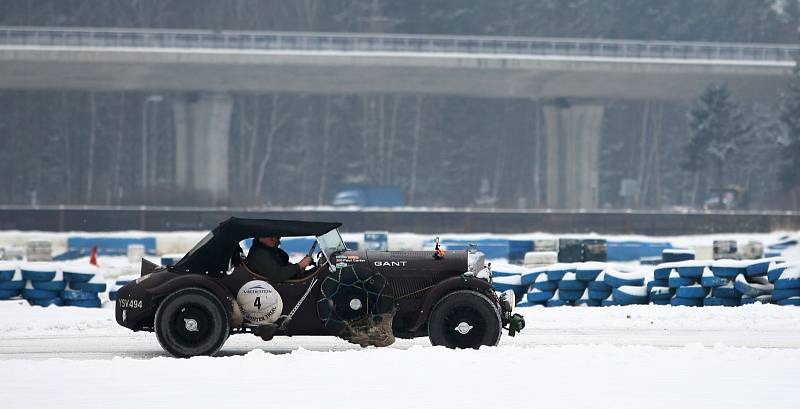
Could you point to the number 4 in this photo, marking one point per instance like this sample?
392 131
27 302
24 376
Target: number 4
257 303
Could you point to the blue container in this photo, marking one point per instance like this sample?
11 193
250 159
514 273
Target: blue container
630 250
673 255
112 246
721 302
694 291
625 298
46 302
686 302
540 296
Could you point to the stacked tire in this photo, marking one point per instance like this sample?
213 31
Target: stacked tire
44 282
786 280
84 285
11 282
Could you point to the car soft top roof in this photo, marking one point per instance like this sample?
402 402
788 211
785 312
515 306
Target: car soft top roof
213 255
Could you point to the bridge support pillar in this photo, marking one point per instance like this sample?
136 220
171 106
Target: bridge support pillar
572 141
202 134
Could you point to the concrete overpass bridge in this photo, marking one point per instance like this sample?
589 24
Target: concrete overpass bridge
570 75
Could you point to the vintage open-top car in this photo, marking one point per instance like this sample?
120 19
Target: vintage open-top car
365 297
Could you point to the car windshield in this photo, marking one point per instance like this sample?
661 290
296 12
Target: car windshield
199 244
331 243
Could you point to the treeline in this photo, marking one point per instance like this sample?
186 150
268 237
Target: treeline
70 147
687 20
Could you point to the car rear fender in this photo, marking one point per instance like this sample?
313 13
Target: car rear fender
206 283
445 287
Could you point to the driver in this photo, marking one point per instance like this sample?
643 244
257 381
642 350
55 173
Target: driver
272 262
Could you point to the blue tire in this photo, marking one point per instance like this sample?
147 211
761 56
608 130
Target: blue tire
691 272
789 301
38 275
785 293
686 302
557 303
661 302
587 275
721 302
572 285
546 285
675 282
599 294
49 285
661 293
787 284
751 290
6 294
590 303
763 299
757 269
98 287
662 273
616 282
609 303
570 295
526 279
12 285
725 292
112 295
598 286
77 277
540 296
74 295
728 272
774 274
30 294
694 291
7 275
555 275
713 281
658 283
91 303
46 302
624 298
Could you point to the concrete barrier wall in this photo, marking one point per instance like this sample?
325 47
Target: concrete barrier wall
412 221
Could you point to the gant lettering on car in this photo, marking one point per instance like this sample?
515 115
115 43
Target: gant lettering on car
390 263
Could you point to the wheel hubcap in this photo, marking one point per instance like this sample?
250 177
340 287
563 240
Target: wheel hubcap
463 328
191 324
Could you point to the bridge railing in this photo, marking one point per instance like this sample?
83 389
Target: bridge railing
337 42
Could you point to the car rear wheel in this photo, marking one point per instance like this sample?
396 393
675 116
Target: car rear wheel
191 322
464 319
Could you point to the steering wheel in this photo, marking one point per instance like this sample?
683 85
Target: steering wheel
321 260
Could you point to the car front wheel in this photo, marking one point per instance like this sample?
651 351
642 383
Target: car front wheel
464 319
191 322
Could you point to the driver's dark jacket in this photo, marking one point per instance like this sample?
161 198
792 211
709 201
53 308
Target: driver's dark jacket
271 262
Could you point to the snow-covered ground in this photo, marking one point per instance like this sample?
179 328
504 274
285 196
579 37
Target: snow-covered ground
658 356
632 356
